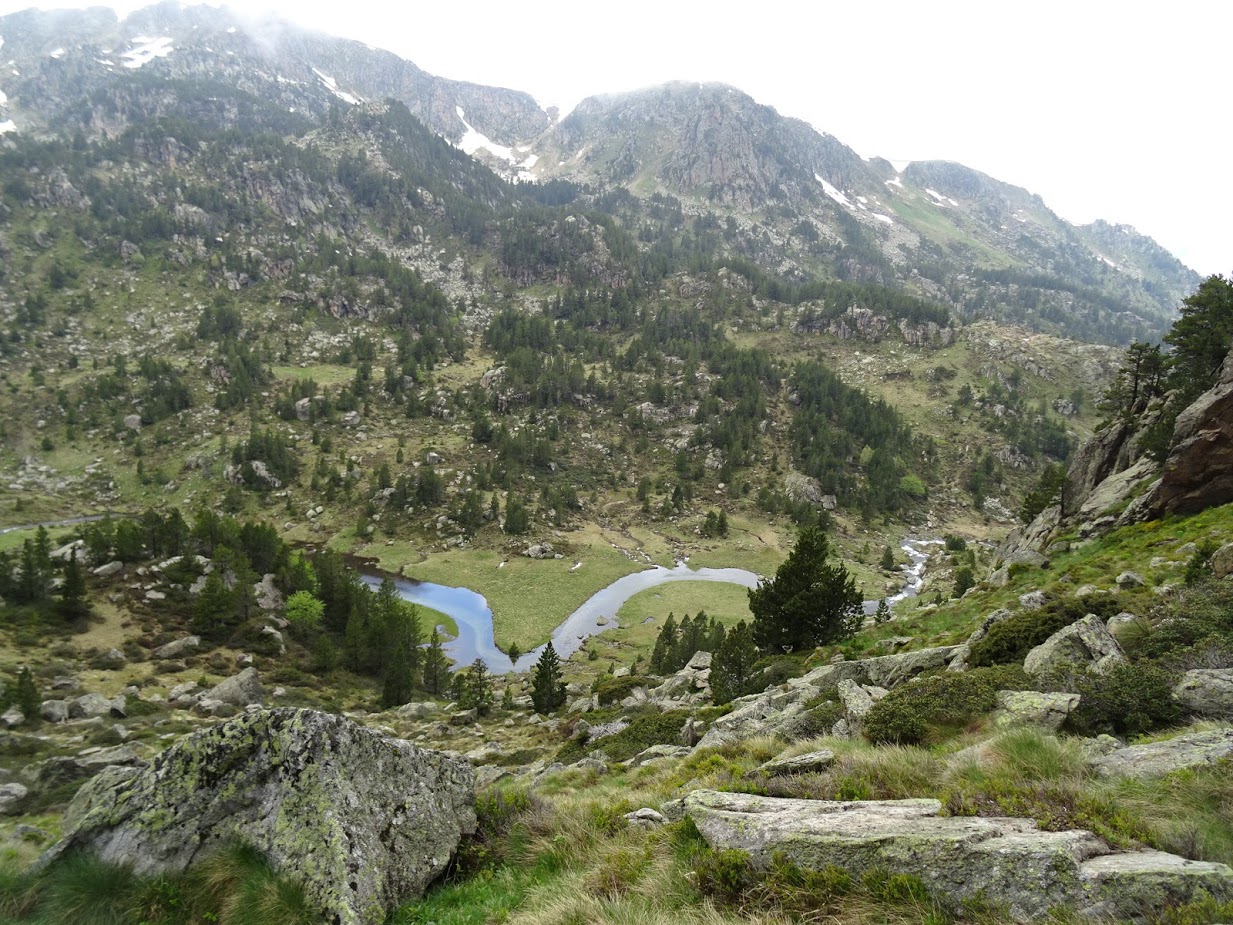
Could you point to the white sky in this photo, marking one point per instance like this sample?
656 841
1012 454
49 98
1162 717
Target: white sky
1116 110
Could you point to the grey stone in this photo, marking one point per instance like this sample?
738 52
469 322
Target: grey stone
959 662
1033 708
54 711
1222 561
57 771
239 690
363 821
1010 861
12 796
112 659
179 648
111 568
464 717
1120 621
1033 600
645 818
779 711
856 701
1207 692
808 763
12 718
97 705
218 709
656 752
268 596
1130 579
1085 643
1190 750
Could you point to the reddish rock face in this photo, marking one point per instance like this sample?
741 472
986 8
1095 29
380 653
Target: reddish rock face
1199 471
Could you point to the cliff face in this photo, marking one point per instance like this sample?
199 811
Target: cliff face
1111 480
1199 471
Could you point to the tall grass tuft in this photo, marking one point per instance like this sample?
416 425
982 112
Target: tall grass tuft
86 891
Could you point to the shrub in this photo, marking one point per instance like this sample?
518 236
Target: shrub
919 712
643 731
725 875
1017 635
614 690
1126 700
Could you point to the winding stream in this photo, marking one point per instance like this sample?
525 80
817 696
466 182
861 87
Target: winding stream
474 617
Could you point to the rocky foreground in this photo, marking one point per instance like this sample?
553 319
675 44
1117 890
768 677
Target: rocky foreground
1008 862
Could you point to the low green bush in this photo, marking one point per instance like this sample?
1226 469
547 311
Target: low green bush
1126 700
644 730
614 690
934 706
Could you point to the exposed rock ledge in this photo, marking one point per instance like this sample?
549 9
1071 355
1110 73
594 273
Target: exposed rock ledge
1005 861
362 820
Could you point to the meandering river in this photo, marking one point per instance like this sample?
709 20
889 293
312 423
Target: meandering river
470 611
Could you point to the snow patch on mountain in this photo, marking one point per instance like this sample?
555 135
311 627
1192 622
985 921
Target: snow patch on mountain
56 53
473 140
146 49
833 193
3 99
939 199
332 85
883 218
8 125
895 182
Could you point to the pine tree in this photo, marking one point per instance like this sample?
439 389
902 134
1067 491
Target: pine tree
436 667
215 605
808 603
888 559
883 613
723 524
399 676
26 696
517 520
547 684
665 642
732 668
475 689
73 604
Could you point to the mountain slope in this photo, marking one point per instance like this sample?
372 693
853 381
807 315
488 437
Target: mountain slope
52 59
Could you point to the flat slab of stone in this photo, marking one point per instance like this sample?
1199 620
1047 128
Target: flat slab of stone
1192 750
809 763
1006 861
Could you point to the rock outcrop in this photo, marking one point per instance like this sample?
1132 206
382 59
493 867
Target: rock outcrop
1009 861
362 820
781 710
1191 750
1112 480
1198 473
1085 643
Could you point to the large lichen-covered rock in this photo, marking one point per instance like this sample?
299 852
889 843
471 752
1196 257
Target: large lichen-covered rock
1207 692
1086 643
1179 753
1005 861
362 820
1034 708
